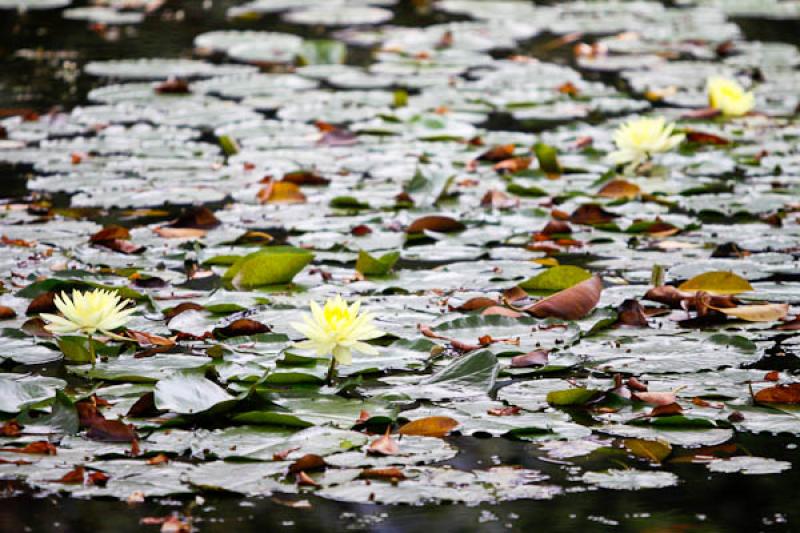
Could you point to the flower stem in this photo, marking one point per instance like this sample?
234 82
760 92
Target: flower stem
92 355
331 372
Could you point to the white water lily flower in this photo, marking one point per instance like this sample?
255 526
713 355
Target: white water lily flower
338 330
640 138
89 312
729 97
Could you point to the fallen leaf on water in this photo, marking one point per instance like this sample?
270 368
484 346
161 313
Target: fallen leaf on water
98 479
570 304
241 327
180 308
44 303
436 223
475 304
40 447
756 313
678 299
498 200
502 311
159 459
281 192
391 473
75 476
534 358
360 230
700 137
514 164
432 426
11 428
789 394
656 398
116 238
591 214
110 431
504 411
309 462
497 153
666 410
631 313
383 445
173 86
792 325
180 233
619 189
636 385
143 407
283 454
145 339
556 227
304 480
305 177
109 233
199 217
699 402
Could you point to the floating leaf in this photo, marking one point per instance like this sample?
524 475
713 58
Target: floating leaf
432 426
788 394
429 185
619 189
322 52
241 327
757 313
630 479
571 397
369 265
591 214
281 192
436 223
548 158
275 265
570 304
556 278
383 445
475 370
189 393
717 283
653 450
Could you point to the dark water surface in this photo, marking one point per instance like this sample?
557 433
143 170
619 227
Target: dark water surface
42 55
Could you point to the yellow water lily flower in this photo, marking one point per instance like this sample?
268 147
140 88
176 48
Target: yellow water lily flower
89 312
338 330
729 97
639 138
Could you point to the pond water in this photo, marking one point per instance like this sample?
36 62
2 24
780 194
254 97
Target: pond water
377 115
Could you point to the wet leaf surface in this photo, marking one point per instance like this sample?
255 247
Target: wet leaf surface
557 327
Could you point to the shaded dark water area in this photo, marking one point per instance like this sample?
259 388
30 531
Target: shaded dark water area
712 503
42 57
